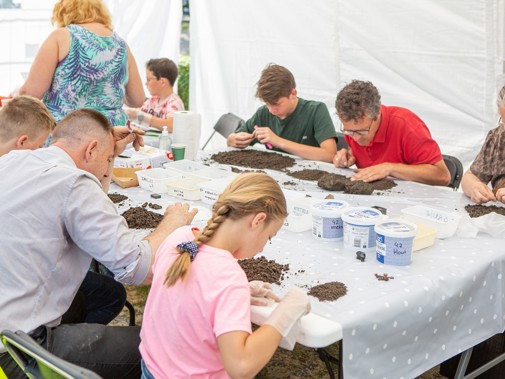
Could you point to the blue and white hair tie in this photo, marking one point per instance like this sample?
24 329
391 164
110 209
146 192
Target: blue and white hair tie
191 247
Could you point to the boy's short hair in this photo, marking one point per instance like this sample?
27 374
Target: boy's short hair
275 82
25 115
163 68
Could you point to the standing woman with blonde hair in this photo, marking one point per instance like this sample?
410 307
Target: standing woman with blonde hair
197 319
85 64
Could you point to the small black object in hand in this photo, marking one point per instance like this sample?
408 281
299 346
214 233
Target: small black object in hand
361 256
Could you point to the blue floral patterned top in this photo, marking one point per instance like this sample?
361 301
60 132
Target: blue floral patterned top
93 75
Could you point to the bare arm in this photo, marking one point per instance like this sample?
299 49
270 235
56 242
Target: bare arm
52 51
434 174
476 189
244 355
134 89
325 152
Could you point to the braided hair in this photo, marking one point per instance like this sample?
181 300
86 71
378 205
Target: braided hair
247 194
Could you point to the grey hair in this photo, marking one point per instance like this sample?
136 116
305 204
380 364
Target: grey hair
500 101
357 100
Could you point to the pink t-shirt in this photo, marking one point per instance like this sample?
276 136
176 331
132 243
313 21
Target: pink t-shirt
163 108
181 323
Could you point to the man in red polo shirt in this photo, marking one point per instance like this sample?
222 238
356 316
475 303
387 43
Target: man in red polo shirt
386 140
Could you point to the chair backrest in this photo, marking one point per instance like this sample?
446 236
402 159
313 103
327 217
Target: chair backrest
455 168
341 142
225 125
37 362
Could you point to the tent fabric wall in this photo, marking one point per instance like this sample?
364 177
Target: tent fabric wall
441 59
232 41
152 29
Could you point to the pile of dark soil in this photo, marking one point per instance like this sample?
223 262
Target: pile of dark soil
263 269
328 291
239 171
307 174
481 210
117 198
151 205
141 218
336 182
254 159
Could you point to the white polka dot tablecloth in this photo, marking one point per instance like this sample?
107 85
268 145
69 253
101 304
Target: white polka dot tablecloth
449 298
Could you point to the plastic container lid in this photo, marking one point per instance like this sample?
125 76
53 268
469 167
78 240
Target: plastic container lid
396 228
362 216
444 222
328 208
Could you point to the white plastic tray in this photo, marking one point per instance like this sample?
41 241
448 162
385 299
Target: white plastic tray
444 222
156 179
185 166
210 190
185 188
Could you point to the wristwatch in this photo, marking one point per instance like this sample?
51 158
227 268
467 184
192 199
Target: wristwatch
140 117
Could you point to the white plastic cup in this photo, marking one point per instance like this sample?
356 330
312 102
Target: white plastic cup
327 219
394 242
359 232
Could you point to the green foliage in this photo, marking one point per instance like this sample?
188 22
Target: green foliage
183 80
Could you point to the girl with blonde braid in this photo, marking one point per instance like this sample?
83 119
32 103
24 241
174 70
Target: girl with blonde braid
197 320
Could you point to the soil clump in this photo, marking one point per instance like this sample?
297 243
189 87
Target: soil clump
151 205
328 291
141 218
384 277
263 269
307 174
481 210
337 182
254 159
239 171
333 182
116 197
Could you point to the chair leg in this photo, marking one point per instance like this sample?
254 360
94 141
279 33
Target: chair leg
205 144
131 310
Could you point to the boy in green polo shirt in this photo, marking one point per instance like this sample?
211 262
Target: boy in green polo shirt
286 122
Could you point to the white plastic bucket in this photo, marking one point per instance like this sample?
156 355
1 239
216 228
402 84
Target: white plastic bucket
326 219
359 233
395 240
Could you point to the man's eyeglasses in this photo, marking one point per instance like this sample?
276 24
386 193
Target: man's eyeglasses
362 132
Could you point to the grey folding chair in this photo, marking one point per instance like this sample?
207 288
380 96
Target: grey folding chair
38 363
341 142
226 125
455 168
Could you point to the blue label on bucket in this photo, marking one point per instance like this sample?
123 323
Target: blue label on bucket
394 250
332 227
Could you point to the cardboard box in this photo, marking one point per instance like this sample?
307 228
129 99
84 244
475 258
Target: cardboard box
125 177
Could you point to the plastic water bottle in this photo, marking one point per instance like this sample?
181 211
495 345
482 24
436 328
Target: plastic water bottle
165 140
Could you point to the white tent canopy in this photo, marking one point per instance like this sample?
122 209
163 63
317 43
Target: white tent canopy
443 59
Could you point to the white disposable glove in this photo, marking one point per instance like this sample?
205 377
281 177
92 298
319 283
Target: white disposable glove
261 293
286 315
